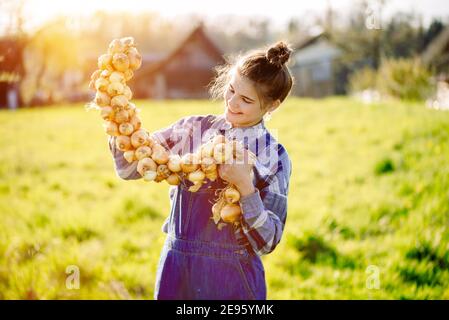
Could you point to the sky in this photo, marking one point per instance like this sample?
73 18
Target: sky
277 10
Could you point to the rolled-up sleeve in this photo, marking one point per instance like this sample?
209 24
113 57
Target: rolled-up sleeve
123 169
264 212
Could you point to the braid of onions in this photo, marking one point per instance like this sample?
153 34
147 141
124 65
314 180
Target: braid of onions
155 163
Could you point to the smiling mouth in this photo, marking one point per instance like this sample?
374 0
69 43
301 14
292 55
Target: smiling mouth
229 110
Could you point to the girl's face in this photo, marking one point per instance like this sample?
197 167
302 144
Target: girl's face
243 108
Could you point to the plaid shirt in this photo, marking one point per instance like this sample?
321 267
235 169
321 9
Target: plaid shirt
264 212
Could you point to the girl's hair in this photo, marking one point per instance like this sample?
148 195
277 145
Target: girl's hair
266 68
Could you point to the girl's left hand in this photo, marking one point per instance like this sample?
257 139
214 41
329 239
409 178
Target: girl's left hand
238 174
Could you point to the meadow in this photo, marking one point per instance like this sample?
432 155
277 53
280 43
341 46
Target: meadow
368 207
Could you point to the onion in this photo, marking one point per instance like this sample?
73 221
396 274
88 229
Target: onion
121 116
120 62
212 175
223 153
219 139
196 176
173 179
104 62
163 172
174 163
189 162
129 156
127 41
207 150
135 59
123 143
105 73
146 164
150 175
208 165
128 74
116 46
101 84
127 92
230 213
135 121
231 195
126 128
160 155
102 99
111 128
115 88
107 113
117 76
139 138
119 101
95 75
143 152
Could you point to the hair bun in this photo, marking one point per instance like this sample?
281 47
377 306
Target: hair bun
278 54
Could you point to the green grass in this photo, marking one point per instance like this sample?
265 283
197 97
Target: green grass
370 187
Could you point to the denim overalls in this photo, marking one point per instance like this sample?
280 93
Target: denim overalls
198 261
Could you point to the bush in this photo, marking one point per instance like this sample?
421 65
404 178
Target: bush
404 79
363 79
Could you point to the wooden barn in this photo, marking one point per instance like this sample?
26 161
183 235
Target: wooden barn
182 74
313 67
11 72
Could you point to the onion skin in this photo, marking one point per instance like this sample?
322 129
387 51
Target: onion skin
126 128
104 62
222 153
163 172
150 176
115 88
127 92
139 138
128 74
135 121
160 155
101 84
196 176
143 152
117 76
135 59
107 113
190 162
230 213
174 163
129 156
208 165
123 143
116 46
119 101
102 99
231 195
120 62
146 164
111 128
121 116
173 179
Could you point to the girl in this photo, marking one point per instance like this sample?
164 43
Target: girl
199 260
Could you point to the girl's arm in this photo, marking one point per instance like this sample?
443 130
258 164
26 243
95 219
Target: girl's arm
264 212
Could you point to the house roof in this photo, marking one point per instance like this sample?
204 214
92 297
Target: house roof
436 47
315 49
197 34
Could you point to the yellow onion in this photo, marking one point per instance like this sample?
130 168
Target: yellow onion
127 92
174 163
207 150
126 128
120 61
163 172
127 41
95 75
101 84
135 59
150 175
150 141
216 208
121 116
116 46
102 99
111 128
139 138
231 195
146 164
160 155
128 74
208 165
230 213
212 175
195 187
104 62
223 153
129 156
117 76
115 88
123 143
196 176
218 139
119 101
173 179
189 163
105 74
143 152
135 121
107 113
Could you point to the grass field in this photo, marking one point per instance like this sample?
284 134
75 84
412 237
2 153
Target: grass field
368 211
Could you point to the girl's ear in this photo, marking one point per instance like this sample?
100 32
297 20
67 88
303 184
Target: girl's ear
274 106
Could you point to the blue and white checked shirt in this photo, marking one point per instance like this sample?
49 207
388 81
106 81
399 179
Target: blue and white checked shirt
264 212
